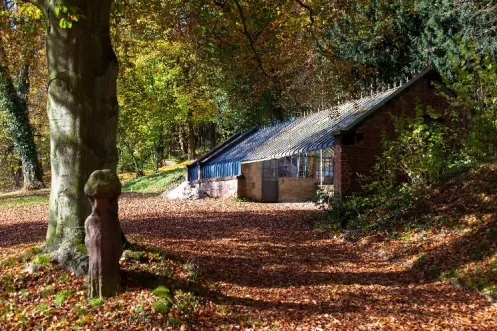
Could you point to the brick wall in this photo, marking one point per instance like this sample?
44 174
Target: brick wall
353 160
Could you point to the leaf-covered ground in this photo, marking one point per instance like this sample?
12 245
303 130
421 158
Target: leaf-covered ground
451 234
229 265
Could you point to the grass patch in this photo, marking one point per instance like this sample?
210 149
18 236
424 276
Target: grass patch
43 308
45 293
163 292
22 201
96 302
139 256
162 307
159 182
35 250
193 271
62 297
42 260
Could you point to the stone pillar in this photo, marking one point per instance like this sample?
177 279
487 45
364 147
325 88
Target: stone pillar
103 234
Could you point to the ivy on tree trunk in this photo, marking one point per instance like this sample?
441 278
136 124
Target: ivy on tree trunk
15 103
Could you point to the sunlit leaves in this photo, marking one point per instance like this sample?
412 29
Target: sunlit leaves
69 14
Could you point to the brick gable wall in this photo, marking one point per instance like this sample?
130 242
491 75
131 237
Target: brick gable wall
357 152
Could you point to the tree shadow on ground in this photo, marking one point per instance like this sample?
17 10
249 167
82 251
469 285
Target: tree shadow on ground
146 280
465 203
475 245
272 250
22 233
378 301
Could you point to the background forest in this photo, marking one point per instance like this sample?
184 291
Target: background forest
194 72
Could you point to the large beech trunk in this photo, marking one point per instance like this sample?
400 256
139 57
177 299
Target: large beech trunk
83 114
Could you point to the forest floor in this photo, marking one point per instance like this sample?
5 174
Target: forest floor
230 265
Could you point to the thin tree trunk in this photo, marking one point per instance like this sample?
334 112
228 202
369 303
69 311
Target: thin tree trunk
83 113
14 102
213 135
160 148
182 143
138 171
31 167
191 140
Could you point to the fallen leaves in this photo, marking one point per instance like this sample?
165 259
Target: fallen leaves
260 266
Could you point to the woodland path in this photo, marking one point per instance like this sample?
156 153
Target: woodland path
267 262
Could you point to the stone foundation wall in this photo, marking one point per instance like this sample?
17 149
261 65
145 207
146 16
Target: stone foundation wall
220 187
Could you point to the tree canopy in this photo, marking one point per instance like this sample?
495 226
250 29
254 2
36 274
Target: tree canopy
193 72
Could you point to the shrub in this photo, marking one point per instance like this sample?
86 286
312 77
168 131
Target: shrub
416 159
61 297
139 256
96 302
42 260
163 292
162 307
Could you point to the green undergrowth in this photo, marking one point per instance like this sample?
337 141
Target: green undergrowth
446 231
158 291
156 182
480 275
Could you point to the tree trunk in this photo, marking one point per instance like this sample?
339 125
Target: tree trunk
17 175
14 102
159 147
138 171
31 167
191 139
181 137
83 113
213 135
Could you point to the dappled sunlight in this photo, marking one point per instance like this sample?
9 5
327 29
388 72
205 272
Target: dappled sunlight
266 262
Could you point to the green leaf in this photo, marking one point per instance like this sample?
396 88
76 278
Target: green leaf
65 23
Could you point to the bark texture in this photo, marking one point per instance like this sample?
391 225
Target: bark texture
83 113
103 234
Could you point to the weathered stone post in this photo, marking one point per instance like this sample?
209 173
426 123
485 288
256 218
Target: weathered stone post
103 234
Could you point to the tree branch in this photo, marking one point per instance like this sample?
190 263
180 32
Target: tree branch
309 9
311 31
250 39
